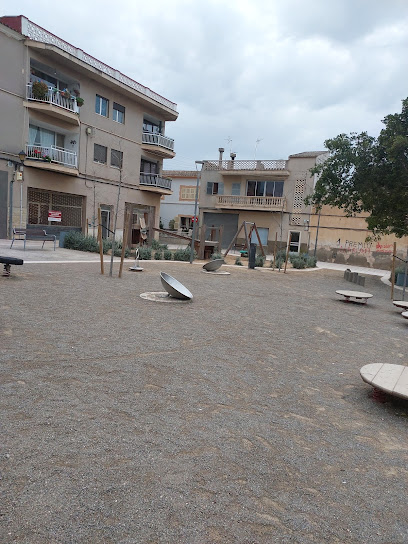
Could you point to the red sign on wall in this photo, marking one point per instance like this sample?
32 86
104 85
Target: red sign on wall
54 216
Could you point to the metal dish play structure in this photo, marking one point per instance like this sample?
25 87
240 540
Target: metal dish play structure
174 288
214 265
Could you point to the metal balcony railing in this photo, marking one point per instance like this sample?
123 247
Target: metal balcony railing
154 180
251 202
52 154
158 139
55 98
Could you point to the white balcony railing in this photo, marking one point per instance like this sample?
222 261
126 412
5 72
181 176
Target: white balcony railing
251 202
154 180
158 139
52 154
268 165
55 98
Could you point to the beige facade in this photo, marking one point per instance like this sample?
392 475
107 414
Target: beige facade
269 193
77 156
342 239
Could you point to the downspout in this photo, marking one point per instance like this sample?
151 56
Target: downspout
11 203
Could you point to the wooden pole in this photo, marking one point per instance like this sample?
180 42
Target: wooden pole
233 240
287 253
259 240
394 251
100 238
124 240
274 250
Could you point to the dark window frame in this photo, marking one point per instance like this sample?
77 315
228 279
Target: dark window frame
96 159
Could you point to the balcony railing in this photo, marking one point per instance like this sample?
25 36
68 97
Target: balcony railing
52 154
55 98
251 202
154 180
158 139
245 165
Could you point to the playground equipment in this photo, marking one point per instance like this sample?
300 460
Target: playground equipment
174 288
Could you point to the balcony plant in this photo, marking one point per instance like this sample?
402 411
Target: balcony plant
40 90
47 158
65 93
79 101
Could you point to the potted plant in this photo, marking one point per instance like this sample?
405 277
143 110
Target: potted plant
40 90
65 93
47 158
79 101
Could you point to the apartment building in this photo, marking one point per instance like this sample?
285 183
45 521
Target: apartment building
269 193
75 133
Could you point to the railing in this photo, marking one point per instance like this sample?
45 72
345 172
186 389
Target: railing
252 202
245 165
158 139
55 98
52 153
154 180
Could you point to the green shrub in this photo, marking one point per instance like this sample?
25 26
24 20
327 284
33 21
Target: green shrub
238 261
311 262
183 254
216 255
171 224
298 263
158 256
81 242
259 260
167 255
155 244
145 253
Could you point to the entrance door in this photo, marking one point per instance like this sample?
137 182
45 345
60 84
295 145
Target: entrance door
105 218
294 241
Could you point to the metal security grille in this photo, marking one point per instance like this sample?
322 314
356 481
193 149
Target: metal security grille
100 153
40 202
296 218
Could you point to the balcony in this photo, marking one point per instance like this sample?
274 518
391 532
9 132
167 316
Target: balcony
52 158
258 168
155 183
258 203
54 104
158 144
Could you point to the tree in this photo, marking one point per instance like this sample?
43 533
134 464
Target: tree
366 174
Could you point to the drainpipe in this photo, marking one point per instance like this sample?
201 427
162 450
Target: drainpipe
11 202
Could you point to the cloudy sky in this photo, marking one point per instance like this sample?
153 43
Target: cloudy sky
288 73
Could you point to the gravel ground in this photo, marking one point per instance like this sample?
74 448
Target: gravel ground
239 417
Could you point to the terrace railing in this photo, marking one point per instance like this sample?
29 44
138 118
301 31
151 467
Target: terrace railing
51 154
154 180
158 139
55 98
251 202
245 165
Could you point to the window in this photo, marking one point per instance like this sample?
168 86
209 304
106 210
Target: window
100 153
116 158
148 167
118 113
101 106
265 188
214 188
42 137
187 192
154 127
236 189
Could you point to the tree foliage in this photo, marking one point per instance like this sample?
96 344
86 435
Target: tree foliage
369 174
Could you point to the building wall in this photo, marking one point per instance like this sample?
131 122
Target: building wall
172 206
342 239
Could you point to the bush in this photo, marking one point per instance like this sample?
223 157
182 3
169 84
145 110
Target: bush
167 255
40 90
183 254
259 260
311 262
158 256
238 261
171 224
298 263
216 255
80 242
145 253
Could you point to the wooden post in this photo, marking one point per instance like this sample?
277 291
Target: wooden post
287 253
220 231
274 250
394 251
124 240
259 240
100 238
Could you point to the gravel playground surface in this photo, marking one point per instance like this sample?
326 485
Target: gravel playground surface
239 417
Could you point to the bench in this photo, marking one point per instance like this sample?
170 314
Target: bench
32 234
7 261
357 295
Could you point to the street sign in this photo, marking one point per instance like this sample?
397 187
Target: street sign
54 216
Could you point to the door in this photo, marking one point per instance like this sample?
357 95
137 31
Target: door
263 235
228 220
294 241
105 222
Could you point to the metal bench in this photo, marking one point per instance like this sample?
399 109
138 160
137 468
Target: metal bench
7 261
32 234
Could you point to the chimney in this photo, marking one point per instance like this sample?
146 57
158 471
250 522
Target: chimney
221 151
233 155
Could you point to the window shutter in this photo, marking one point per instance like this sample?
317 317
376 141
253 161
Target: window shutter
221 188
209 187
236 189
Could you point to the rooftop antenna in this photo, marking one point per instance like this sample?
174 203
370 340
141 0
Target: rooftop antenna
229 140
256 146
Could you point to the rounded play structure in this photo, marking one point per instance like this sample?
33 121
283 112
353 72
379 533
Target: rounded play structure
214 265
174 288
